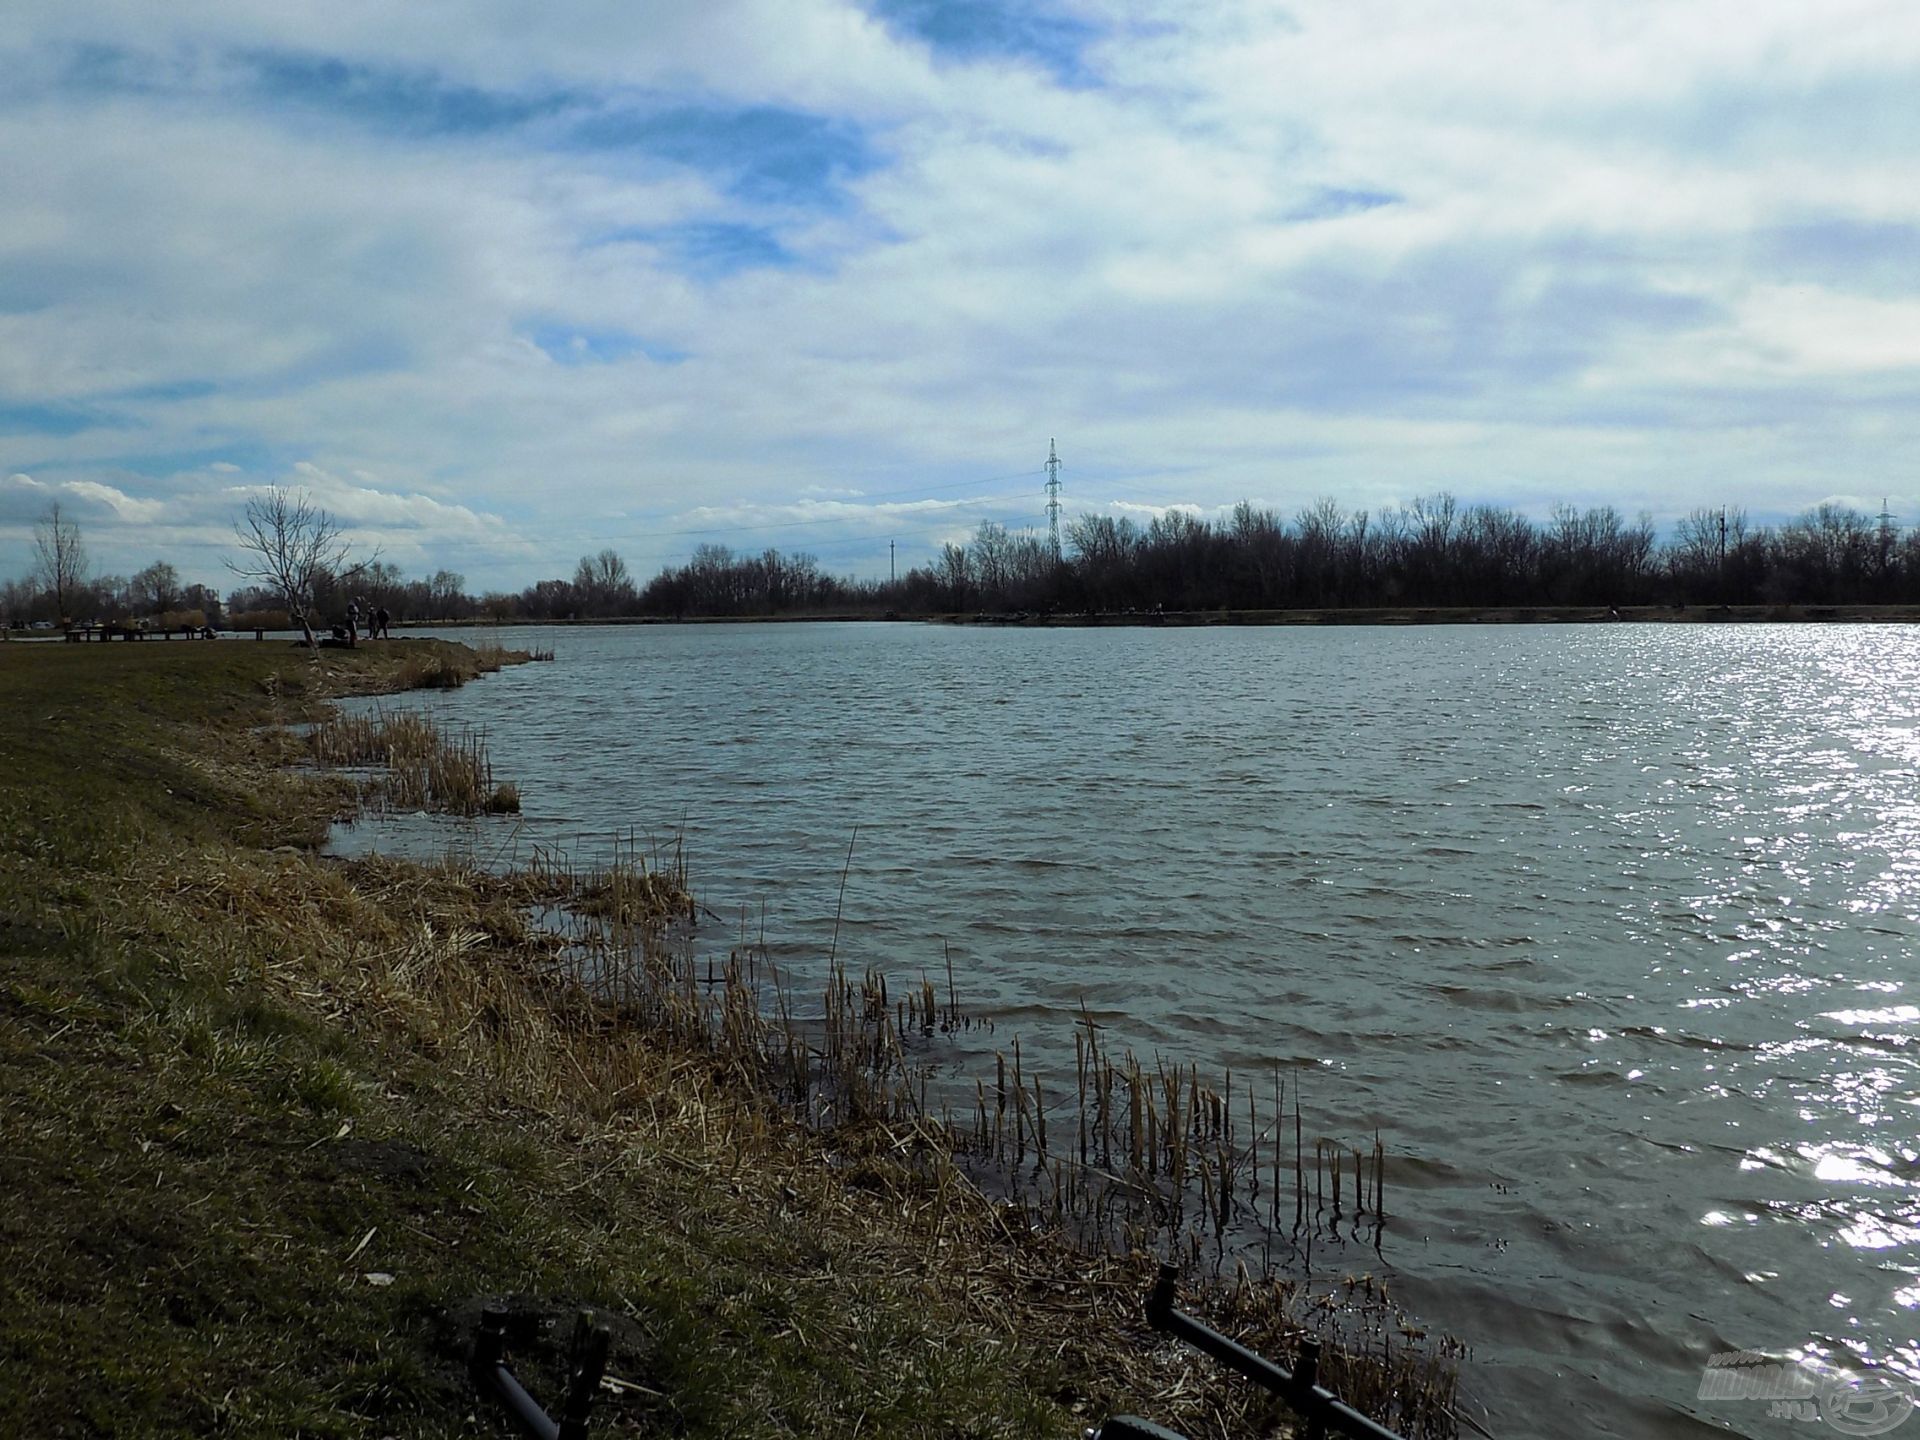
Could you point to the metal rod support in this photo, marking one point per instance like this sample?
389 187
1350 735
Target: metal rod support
524 1409
1318 1404
586 1364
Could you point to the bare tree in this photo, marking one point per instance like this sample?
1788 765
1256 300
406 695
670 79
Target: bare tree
290 545
956 569
447 589
154 590
605 582
992 560
60 560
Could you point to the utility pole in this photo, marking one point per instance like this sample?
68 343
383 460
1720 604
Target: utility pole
1053 500
891 577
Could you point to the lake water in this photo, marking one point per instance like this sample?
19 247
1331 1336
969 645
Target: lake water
1609 930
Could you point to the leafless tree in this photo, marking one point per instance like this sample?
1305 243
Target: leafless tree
289 545
956 568
604 582
154 590
447 589
992 552
60 560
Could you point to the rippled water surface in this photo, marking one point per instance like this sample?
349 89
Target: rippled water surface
1609 930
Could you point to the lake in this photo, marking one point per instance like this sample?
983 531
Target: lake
1609 930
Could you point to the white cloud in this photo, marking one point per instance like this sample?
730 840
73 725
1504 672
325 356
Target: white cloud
1803 328
122 505
1530 251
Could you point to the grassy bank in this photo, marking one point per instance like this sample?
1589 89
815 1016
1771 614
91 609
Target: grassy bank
273 1128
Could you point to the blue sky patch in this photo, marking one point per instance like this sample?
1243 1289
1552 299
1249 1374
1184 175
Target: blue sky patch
763 154
166 391
405 101
976 29
1327 204
715 250
37 419
1845 253
253 458
411 102
573 345
110 69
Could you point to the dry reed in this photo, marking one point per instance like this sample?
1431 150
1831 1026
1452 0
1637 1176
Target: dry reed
419 766
1134 1160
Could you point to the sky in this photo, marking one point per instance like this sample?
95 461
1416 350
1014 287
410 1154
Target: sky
501 283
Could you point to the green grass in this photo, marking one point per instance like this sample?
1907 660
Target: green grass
206 1151
187 1219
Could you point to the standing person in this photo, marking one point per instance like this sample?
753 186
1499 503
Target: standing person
381 620
353 622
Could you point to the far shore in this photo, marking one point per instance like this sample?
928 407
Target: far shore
1482 615
1369 615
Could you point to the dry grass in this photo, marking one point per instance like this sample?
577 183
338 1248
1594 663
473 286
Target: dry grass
420 765
443 965
601 1017
421 665
1137 1162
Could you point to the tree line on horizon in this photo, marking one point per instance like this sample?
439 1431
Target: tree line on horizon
1434 552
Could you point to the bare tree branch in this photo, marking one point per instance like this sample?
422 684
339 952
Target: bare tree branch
60 560
289 545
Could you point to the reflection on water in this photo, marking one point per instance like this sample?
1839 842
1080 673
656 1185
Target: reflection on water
1608 929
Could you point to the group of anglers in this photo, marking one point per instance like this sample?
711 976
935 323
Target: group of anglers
360 622
377 621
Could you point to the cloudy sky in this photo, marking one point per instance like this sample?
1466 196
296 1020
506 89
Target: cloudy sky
504 282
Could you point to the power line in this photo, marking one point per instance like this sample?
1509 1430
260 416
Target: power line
932 523
647 542
853 516
523 524
860 499
1010 520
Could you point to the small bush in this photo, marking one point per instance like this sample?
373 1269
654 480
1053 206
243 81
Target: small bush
433 672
